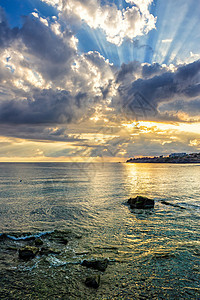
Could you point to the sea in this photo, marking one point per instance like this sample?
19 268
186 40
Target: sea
152 253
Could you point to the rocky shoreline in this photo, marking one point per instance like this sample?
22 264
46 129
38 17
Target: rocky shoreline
51 264
24 252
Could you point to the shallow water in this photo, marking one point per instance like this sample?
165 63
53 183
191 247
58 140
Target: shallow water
154 254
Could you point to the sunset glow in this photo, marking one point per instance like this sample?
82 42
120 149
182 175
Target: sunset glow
99 80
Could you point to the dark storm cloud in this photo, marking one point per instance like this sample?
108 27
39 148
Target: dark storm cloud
192 91
44 107
189 73
47 53
53 54
162 88
152 70
40 132
128 69
191 107
43 42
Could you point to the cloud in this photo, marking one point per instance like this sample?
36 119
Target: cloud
153 70
183 83
52 54
194 55
117 24
128 71
191 108
7 35
167 41
49 91
44 107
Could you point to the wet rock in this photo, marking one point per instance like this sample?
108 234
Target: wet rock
82 253
47 251
29 238
61 237
140 202
64 241
38 242
172 204
100 265
28 252
11 248
93 281
3 237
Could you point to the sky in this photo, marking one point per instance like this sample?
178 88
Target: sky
91 80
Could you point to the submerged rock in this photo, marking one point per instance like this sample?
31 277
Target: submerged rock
100 265
172 204
141 202
93 281
28 252
38 242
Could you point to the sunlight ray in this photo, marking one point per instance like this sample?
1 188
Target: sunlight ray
187 41
163 9
153 35
177 38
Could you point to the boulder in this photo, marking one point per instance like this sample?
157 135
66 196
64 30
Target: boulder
140 202
28 252
100 265
93 281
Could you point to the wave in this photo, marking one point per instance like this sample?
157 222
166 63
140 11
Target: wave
25 237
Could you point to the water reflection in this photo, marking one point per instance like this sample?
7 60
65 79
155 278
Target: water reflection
152 251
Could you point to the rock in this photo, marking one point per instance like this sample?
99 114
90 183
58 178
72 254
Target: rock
82 253
93 281
3 237
11 248
47 251
60 237
38 242
172 204
100 265
28 252
141 202
64 241
28 238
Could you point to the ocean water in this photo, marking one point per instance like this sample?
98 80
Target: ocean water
153 254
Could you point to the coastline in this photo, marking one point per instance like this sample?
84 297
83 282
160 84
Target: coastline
174 158
166 162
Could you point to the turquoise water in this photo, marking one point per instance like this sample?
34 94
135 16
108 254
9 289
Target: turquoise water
156 252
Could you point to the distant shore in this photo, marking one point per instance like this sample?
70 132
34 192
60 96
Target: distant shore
172 158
